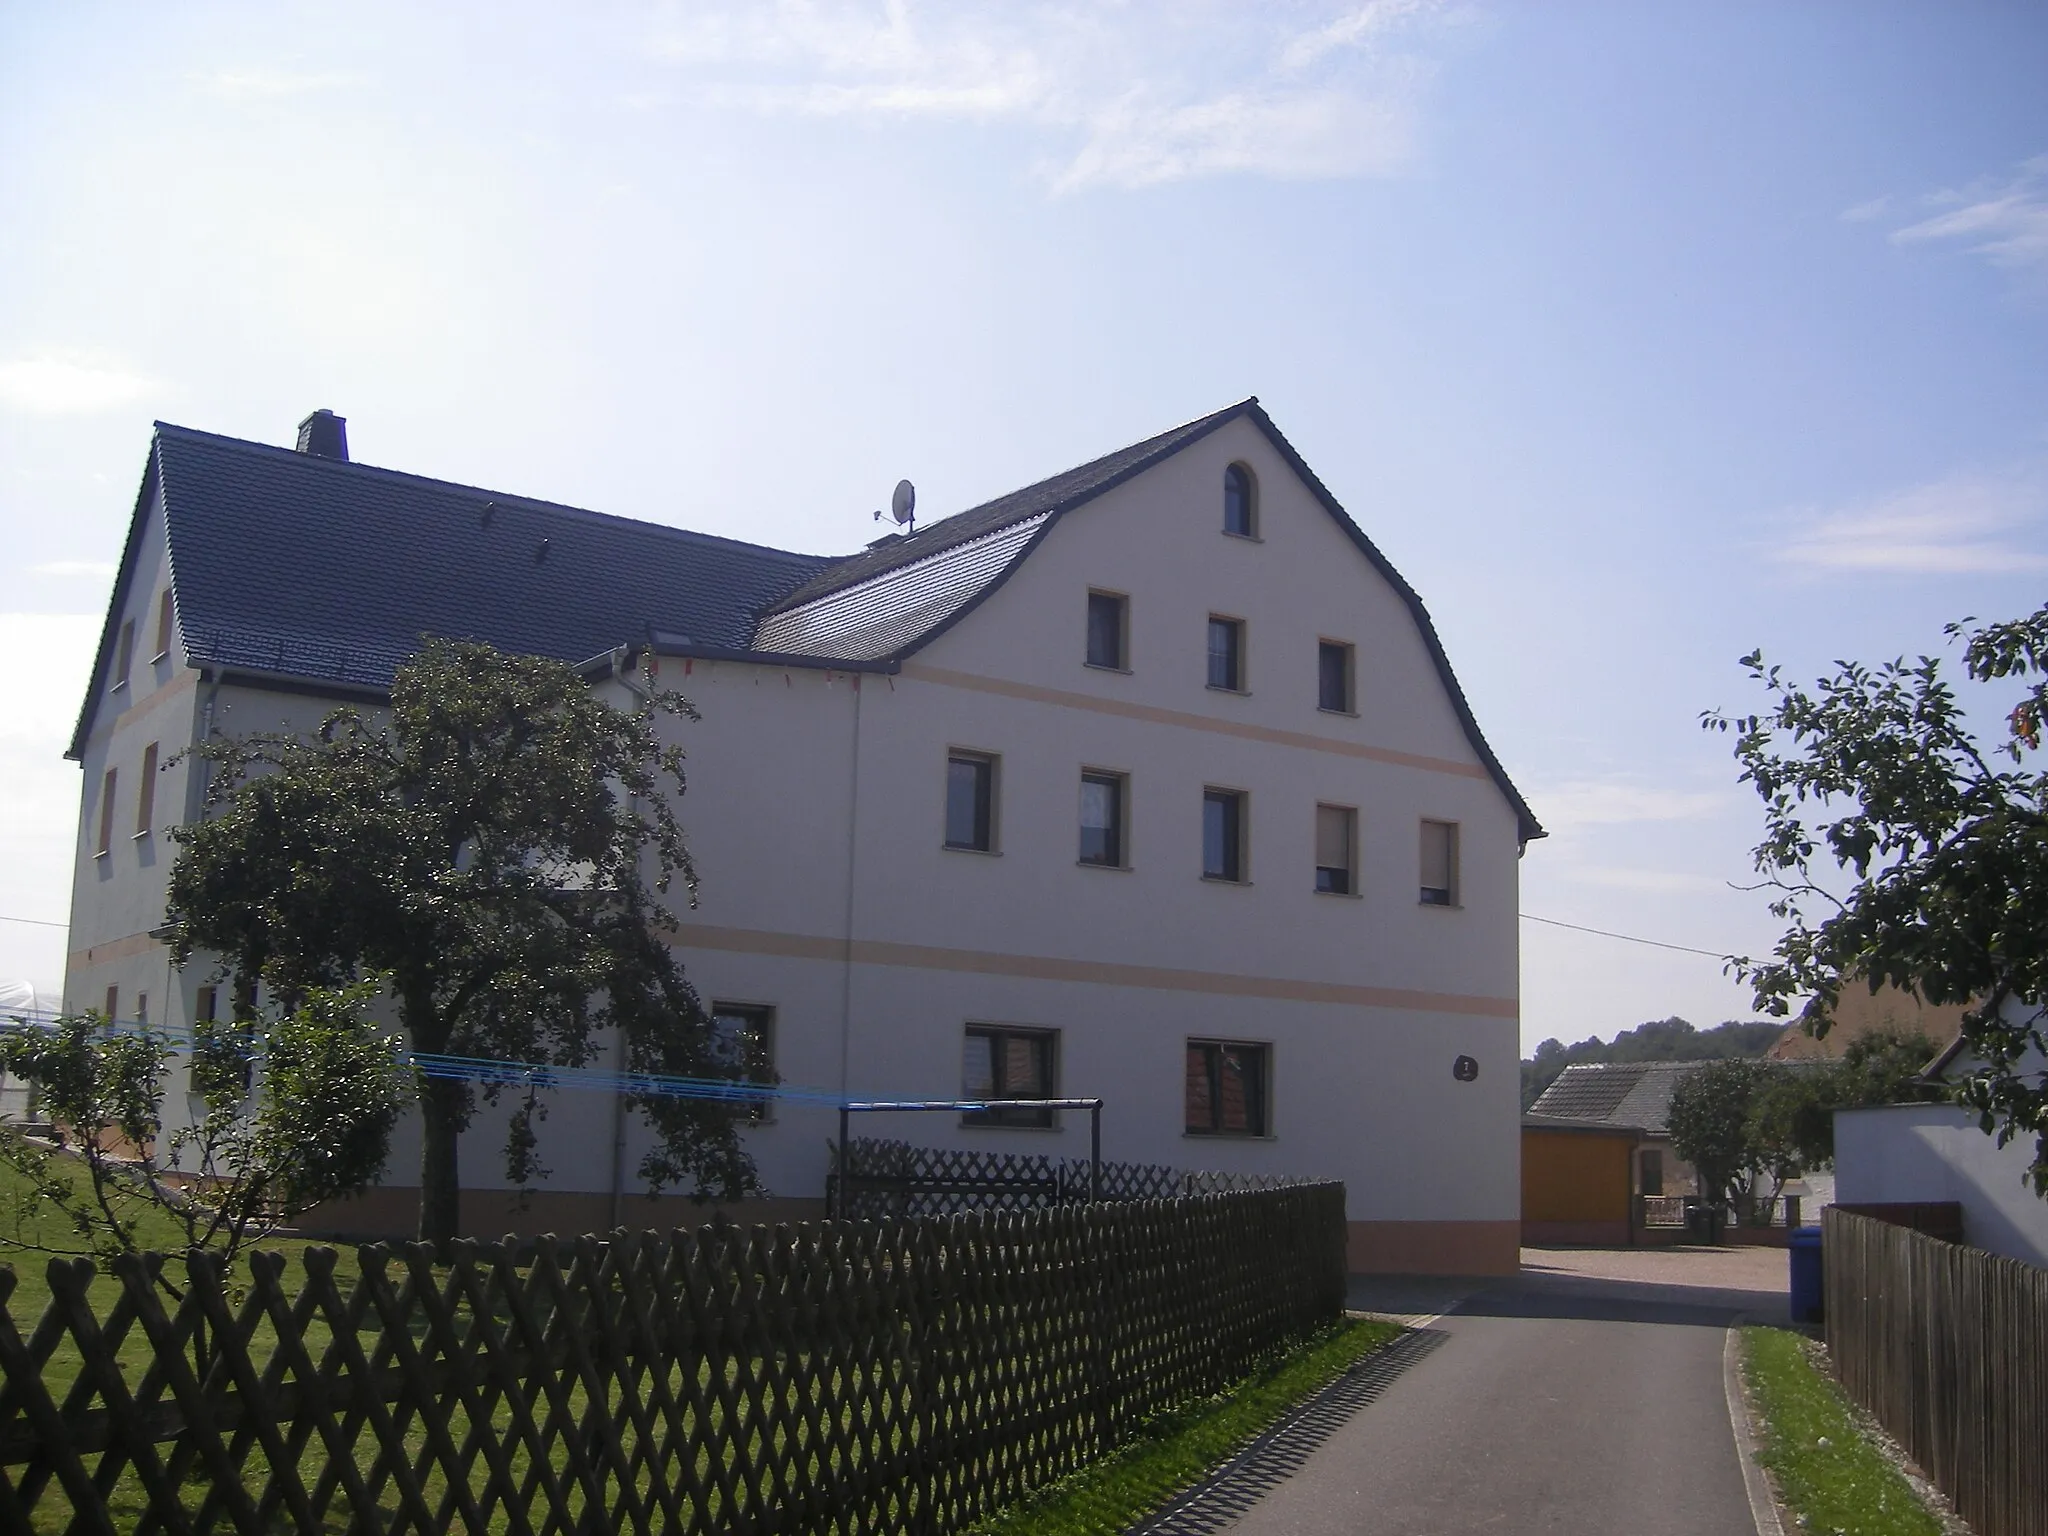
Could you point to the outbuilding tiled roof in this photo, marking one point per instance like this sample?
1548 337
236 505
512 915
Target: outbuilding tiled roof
1633 1093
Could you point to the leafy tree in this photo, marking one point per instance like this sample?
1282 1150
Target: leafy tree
1875 782
327 1090
1792 1123
1711 1125
498 850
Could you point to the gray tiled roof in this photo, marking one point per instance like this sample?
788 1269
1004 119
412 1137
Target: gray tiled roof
326 571
888 612
1634 1093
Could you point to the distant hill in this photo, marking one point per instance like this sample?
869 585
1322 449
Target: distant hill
1660 1040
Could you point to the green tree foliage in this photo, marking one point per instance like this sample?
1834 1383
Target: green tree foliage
1903 851
497 849
1756 1121
1670 1039
1712 1125
297 1109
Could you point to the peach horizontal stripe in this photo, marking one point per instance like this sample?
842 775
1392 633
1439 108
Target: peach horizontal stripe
1106 973
1065 699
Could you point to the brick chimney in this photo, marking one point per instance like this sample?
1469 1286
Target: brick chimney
325 434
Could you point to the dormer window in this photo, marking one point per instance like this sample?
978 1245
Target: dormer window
1240 502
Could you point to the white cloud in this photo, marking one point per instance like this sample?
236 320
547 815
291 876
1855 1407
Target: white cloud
1962 525
1615 802
58 385
1863 213
1129 96
100 569
2004 222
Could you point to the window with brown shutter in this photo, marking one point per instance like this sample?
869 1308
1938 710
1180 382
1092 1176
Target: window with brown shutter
145 794
1439 864
106 840
1336 839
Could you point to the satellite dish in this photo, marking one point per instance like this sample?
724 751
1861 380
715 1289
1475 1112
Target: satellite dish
903 505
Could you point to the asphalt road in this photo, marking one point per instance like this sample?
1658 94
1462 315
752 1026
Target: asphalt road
1560 1401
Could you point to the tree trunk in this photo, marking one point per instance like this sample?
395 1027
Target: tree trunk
441 1114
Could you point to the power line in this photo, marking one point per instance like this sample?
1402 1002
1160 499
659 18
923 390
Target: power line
1684 949
33 922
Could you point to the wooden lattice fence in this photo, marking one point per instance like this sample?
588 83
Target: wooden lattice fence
882 1179
1948 1347
835 1376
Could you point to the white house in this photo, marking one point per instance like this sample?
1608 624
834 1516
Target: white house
1149 781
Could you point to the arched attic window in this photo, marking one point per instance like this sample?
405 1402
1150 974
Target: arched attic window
1240 502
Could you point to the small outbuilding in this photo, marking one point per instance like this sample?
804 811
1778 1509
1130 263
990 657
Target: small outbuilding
1578 1184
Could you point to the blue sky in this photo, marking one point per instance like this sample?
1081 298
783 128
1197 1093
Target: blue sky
1636 336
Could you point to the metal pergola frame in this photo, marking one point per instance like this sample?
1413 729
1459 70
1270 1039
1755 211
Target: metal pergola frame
852 1107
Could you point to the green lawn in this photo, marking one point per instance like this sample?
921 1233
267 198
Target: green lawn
1178 1449
1828 1472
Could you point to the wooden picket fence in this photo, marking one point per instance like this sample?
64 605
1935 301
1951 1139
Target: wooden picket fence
1948 1347
827 1377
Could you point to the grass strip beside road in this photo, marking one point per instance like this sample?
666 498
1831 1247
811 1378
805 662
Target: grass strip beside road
1176 1450
1830 1474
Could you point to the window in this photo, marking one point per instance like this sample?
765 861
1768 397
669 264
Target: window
145 794
142 1009
1240 512
113 1003
163 626
1102 818
1336 844
1003 1063
1226 654
1653 1171
124 654
1223 834
206 1005
1226 1088
1108 616
744 1036
106 814
970 801
1333 677
1439 864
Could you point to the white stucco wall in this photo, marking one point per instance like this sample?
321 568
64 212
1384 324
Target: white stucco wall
1914 1153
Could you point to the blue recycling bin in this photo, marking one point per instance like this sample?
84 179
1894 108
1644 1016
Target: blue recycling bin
1808 1298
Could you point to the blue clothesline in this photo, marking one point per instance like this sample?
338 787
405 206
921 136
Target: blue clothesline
530 1074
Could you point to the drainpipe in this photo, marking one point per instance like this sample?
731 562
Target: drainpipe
852 850
622 671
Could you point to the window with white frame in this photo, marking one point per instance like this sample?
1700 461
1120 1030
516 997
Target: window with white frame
971 801
1226 654
1102 818
1223 834
1109 631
